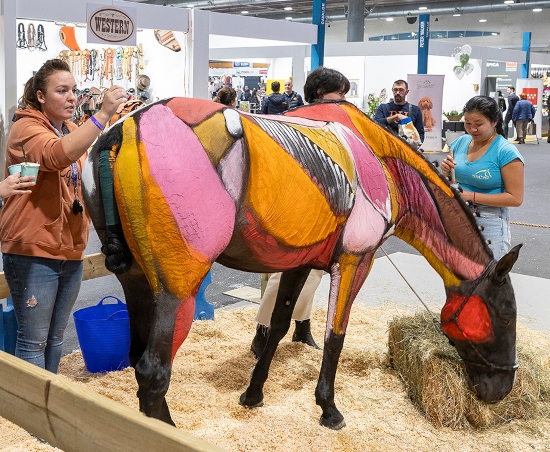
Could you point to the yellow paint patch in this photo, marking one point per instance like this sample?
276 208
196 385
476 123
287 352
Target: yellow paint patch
286 201
384 145
332 146
348 266
449 278
214 137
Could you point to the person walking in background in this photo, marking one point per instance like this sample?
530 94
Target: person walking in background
524 112
512 100
548 112
389 115
292 97
501 105
490 171
276 102
322 84
44 233
226 96
246 94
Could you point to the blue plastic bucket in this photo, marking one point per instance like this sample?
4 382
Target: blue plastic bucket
103 332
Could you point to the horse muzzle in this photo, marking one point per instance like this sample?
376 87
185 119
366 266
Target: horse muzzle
493 386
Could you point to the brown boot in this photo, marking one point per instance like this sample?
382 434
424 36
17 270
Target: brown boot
302 333
259 341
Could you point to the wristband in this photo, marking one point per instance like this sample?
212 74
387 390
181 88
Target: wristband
97 123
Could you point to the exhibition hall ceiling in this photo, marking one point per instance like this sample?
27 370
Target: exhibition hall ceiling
300 10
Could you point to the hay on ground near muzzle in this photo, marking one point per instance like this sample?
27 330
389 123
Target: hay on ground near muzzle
436 379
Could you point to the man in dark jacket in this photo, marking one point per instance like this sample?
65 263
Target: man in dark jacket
389 114
512 101
292 97
274 103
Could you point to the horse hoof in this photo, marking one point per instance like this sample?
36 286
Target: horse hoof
333 423
249 402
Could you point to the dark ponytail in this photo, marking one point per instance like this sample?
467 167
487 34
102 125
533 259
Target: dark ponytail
39 81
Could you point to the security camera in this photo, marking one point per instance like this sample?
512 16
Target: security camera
411 20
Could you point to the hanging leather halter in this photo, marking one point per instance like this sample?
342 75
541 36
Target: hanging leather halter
21 38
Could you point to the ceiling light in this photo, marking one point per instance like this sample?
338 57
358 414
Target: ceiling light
423 7
508 2
244 12
537 10
494 34
456 15
288 8
288 18
389 19
190 6
483 20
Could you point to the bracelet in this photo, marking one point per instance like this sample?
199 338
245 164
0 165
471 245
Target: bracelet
97 123
474 197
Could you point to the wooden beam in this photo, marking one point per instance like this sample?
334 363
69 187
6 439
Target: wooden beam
74 418
94 267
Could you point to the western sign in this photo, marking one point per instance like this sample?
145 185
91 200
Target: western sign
111 25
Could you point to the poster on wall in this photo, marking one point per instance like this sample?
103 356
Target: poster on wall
426 91
532 88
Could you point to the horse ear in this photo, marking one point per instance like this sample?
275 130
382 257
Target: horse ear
506 263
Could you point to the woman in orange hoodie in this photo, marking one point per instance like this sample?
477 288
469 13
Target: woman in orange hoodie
44 232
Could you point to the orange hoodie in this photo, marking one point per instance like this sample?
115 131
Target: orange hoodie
42 223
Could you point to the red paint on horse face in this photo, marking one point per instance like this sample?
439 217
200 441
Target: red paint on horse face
474 322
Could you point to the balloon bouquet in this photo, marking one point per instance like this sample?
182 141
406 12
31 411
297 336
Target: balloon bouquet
462 57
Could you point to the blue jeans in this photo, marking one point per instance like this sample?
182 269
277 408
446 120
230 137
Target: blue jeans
496 228
44 292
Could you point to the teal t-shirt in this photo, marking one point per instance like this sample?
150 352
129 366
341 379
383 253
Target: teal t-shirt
483 175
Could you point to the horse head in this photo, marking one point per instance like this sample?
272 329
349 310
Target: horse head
479 319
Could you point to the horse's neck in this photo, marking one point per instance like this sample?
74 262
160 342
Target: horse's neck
437 224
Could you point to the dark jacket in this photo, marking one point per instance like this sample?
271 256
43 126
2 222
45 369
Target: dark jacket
274 103
512 101
501 104
246 95
523 110
294 99
389 109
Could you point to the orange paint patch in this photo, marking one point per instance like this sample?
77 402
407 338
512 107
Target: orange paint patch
348 266
288 204
193 111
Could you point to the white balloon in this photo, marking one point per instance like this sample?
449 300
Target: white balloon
459 72
467 49
468 68
457 58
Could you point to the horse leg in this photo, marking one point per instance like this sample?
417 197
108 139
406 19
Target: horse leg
290 286
347 277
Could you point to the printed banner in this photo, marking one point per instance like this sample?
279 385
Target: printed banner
532 87
426 91
111 25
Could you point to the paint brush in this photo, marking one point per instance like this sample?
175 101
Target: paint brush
24 155
454 183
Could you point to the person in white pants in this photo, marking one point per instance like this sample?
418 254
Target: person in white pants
322 84
301 314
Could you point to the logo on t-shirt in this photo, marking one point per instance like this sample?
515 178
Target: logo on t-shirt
482 174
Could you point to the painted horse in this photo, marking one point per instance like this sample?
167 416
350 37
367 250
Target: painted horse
321 187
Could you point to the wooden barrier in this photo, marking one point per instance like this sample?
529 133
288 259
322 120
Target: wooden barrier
74 418
94 267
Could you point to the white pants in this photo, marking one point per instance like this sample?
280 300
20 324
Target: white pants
304 305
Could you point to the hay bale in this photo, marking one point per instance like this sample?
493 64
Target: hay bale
435 378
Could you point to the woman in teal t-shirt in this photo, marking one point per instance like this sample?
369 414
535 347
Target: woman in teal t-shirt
489 170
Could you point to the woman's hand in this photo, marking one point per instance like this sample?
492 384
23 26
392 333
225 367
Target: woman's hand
112 98
15 184
447 165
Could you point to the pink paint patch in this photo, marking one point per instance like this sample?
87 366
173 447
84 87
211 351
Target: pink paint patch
184 319
370 173
202 208
365 226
